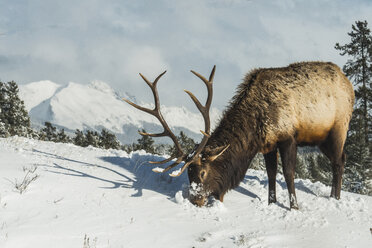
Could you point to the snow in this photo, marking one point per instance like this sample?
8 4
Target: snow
35 93
108 198
175 172
158 170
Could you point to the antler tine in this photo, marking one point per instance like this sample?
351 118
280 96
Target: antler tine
179 172
205 109
177 162
156 112
153 134
163 161
211 76
154 89
157 79
146 80
149 111
195 100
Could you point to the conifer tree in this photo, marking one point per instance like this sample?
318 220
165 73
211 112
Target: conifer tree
108 140
62 137
48 133
145 143
92 138
187 144
4 128
79 138
358 69
13 114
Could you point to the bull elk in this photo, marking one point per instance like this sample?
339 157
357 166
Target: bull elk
274 109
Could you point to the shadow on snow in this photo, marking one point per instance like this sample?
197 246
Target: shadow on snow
141 177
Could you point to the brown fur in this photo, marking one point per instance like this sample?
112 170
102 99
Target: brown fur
308 103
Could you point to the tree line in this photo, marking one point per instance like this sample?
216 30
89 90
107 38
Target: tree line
14 120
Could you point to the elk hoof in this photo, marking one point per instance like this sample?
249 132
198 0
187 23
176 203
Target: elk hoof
295 207
272 197
293 202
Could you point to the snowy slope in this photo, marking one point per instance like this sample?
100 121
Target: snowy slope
114 199
97 105
36 92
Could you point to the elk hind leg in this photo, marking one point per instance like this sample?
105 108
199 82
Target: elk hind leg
288 153
333 148
271 162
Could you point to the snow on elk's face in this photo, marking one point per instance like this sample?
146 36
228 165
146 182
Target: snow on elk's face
200 186
205 178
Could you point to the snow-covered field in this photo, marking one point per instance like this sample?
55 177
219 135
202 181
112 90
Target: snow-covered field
87 197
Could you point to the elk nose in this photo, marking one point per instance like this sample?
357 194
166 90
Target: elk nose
198 200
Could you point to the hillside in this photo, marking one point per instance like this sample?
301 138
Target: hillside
87 197
96 105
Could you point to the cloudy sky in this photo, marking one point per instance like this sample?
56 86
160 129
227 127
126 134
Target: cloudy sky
112 41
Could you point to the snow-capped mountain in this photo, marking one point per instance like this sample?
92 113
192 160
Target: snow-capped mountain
96 105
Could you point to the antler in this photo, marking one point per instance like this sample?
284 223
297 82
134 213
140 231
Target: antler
204 110
180 155
166 132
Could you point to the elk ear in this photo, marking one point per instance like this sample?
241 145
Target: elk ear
219 150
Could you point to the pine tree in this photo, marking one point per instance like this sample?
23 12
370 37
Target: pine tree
13 114
145 143
3 123
92 138
128 147
359 70
62 137
48 133
108 140
301 168
79 138
187 144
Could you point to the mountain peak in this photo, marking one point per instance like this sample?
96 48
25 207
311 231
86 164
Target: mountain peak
36 92
101 86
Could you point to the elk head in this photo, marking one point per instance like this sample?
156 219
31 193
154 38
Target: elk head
201 172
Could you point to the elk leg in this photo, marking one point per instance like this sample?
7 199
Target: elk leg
333 147
271 161
288 152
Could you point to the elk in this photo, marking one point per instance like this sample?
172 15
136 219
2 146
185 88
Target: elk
274 110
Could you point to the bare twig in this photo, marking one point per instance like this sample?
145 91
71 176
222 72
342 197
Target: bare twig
28 178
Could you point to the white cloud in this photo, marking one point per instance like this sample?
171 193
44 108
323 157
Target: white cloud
147 60
114 40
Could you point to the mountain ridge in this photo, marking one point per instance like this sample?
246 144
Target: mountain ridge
96 105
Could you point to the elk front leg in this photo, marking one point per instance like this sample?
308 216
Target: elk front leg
288 152
271 161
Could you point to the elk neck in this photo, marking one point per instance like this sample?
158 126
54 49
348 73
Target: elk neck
232 165
243 126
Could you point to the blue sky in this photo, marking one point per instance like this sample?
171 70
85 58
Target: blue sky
113 41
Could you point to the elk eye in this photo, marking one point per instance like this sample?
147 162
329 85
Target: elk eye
202 174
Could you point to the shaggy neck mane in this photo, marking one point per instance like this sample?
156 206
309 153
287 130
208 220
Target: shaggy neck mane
241 128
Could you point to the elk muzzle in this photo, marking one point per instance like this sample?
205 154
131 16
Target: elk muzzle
198 200
198 195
